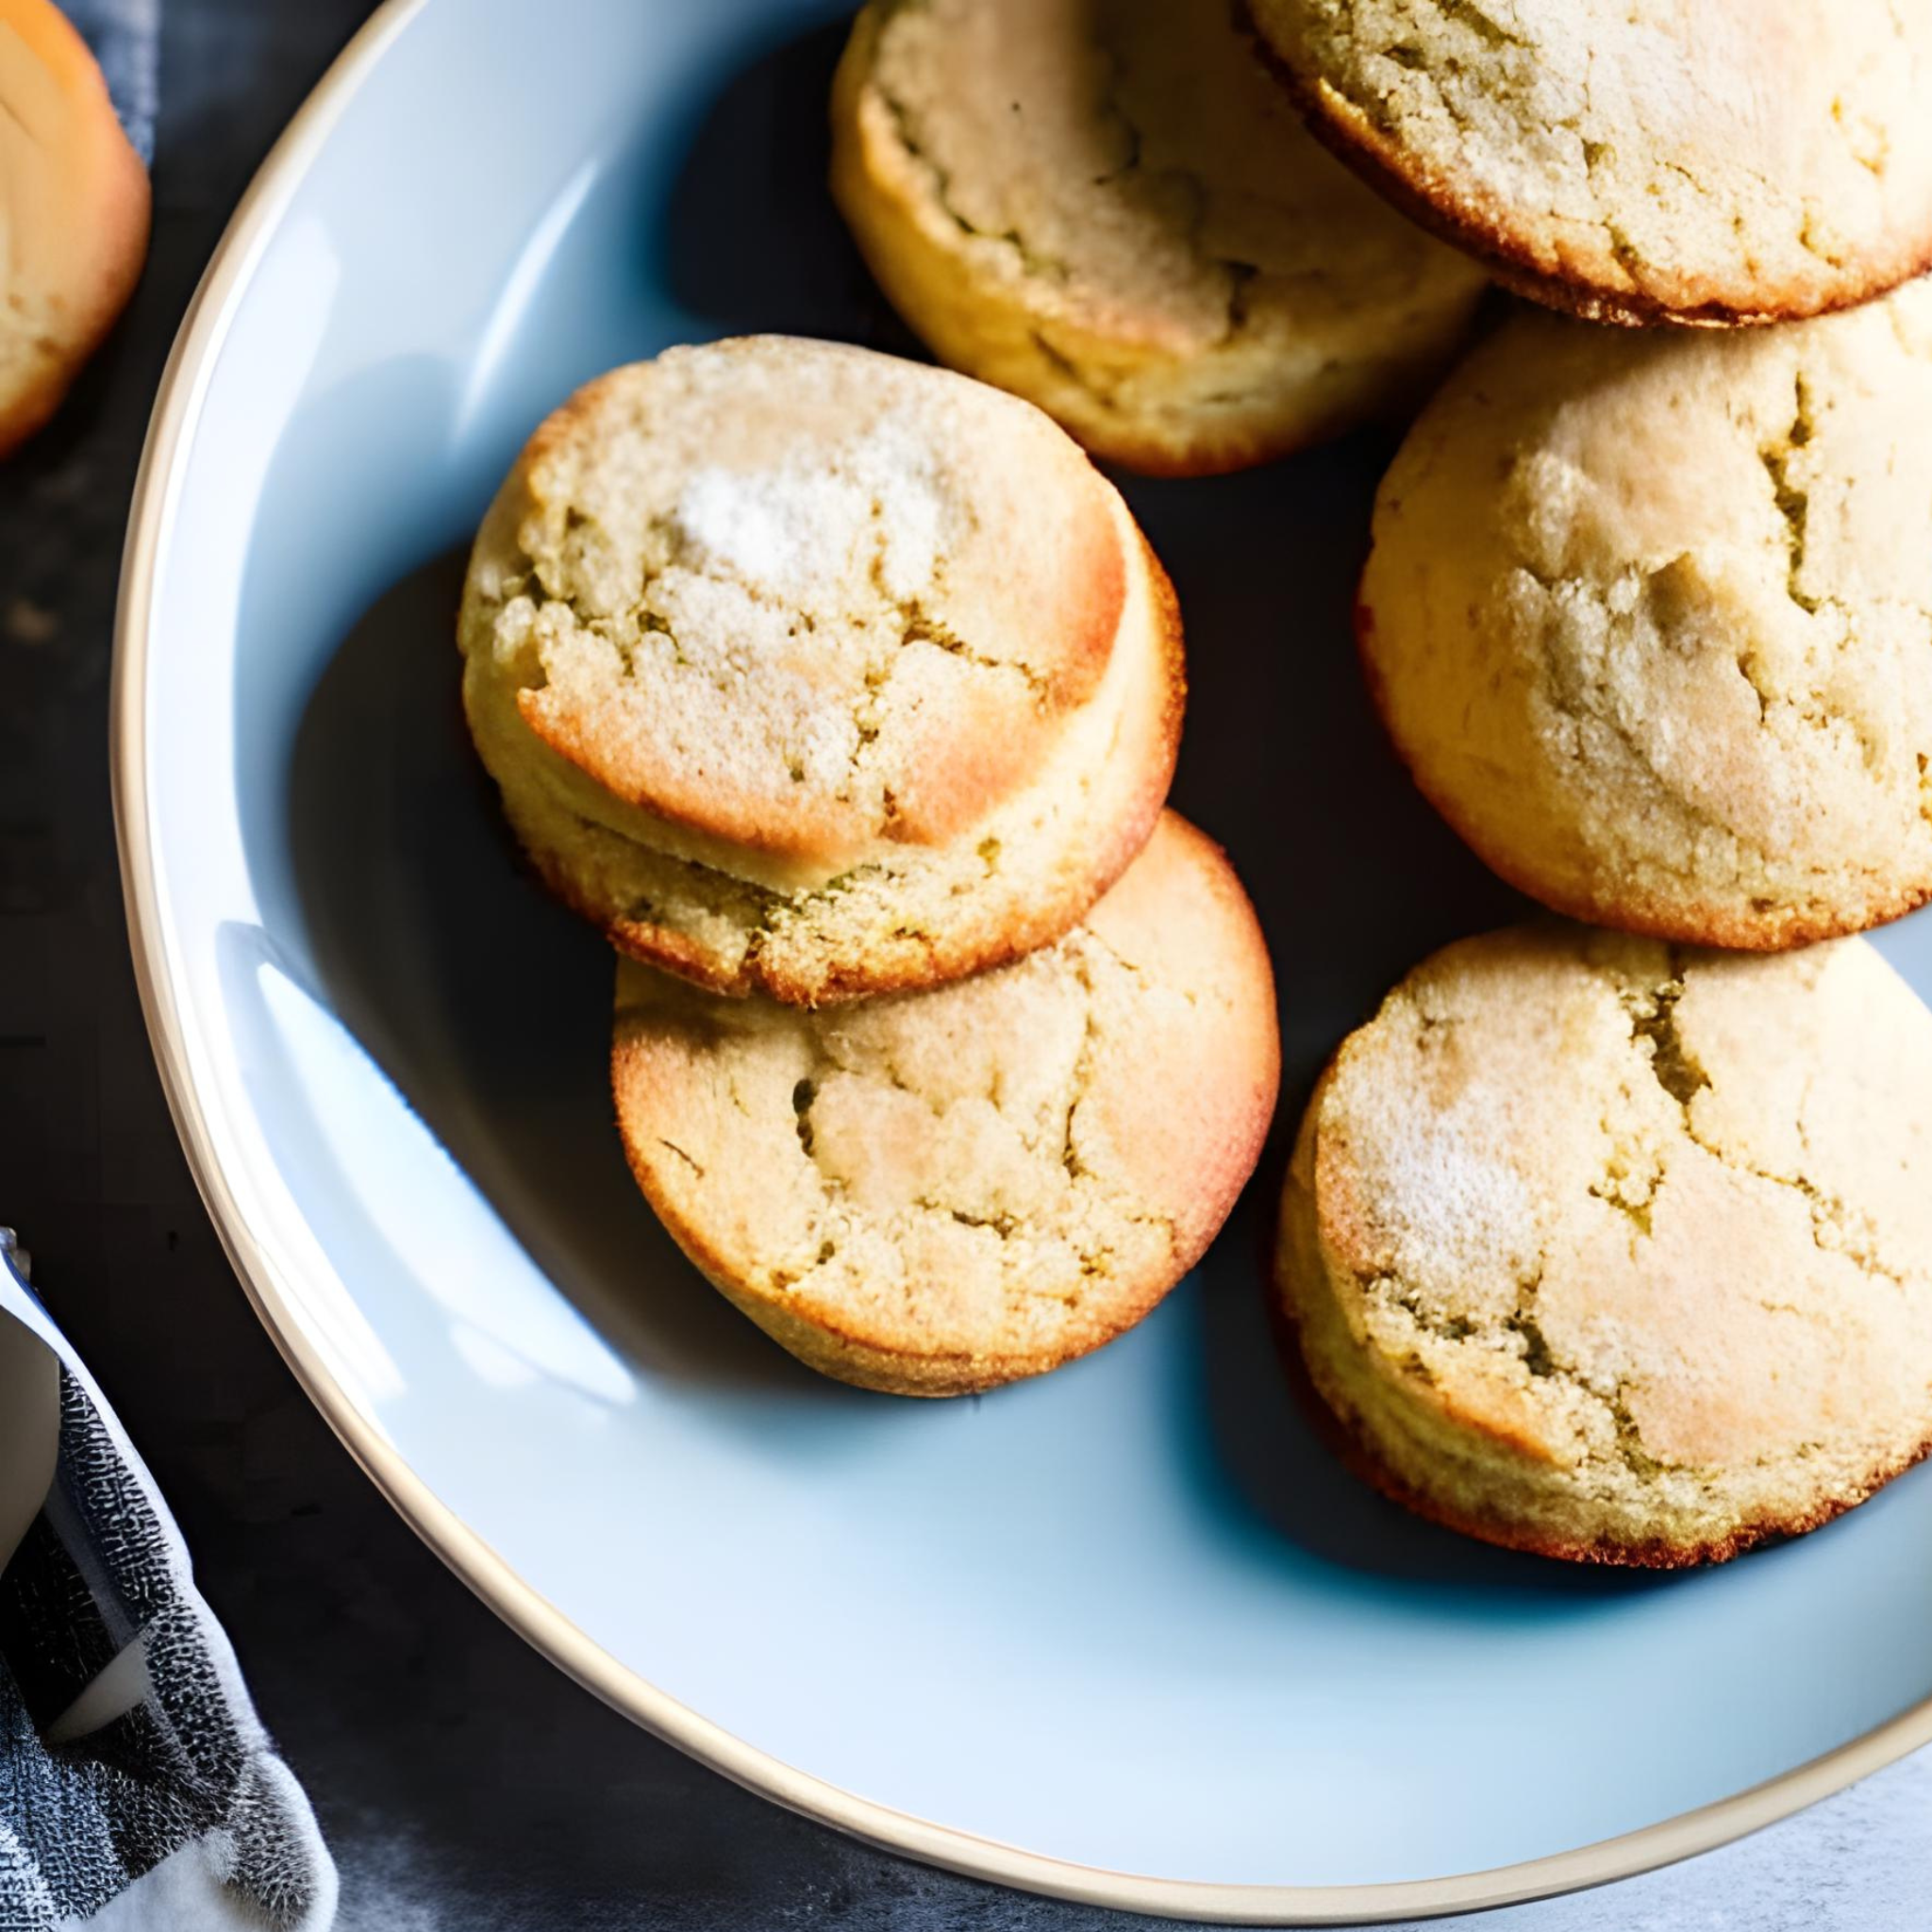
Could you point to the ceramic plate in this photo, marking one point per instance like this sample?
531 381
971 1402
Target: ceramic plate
1126 1633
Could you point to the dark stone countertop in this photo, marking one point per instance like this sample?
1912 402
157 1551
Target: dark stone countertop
465 1785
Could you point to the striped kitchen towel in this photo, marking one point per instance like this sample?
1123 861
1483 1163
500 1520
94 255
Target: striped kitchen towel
138 1790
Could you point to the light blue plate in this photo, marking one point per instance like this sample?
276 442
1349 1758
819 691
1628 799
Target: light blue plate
1126 1633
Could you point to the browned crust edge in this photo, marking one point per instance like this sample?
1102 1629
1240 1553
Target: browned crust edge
1343 1433
926 962
1780 930
1483 227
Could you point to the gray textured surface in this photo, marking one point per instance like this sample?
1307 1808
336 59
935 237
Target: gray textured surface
467 1787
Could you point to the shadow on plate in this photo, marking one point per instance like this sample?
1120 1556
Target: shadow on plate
1356 879
486 1003
1259 1446
749 238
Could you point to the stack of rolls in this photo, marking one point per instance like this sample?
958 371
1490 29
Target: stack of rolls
1620 1248
842 693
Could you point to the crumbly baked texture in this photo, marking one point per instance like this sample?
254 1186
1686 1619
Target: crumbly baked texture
1649 616
74 209
1639 161
939 1191
811 672
1108 207
1672 1303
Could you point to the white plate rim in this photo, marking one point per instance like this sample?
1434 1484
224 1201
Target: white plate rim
179 402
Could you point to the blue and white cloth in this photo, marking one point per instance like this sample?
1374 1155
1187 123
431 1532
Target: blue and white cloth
138 1790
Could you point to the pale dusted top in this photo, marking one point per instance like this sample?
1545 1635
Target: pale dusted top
797 597
1656 1220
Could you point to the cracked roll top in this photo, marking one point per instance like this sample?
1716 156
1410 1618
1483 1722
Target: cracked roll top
1649 617
811 672
1674 1304
74 211
1108 207
944 1190
1639 161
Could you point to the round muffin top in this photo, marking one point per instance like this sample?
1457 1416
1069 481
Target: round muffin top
1641 160
1701 1258
1647 617
1131 161
946 1189
799 598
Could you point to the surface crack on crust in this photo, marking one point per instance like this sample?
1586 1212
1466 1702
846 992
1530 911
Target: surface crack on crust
1240 275
1143 152
1001 1224
1652 1019
1592 704
1539 1358
1240 280
1089 1039
1584 703
1613 1189
1835 1230
1485 26
905 126
672 1147
1090 938
1100 1209
1682 1077
922 627
1530 1346
12 114
1068 370
1792 503
1630 1449
1377 1284
1624 251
